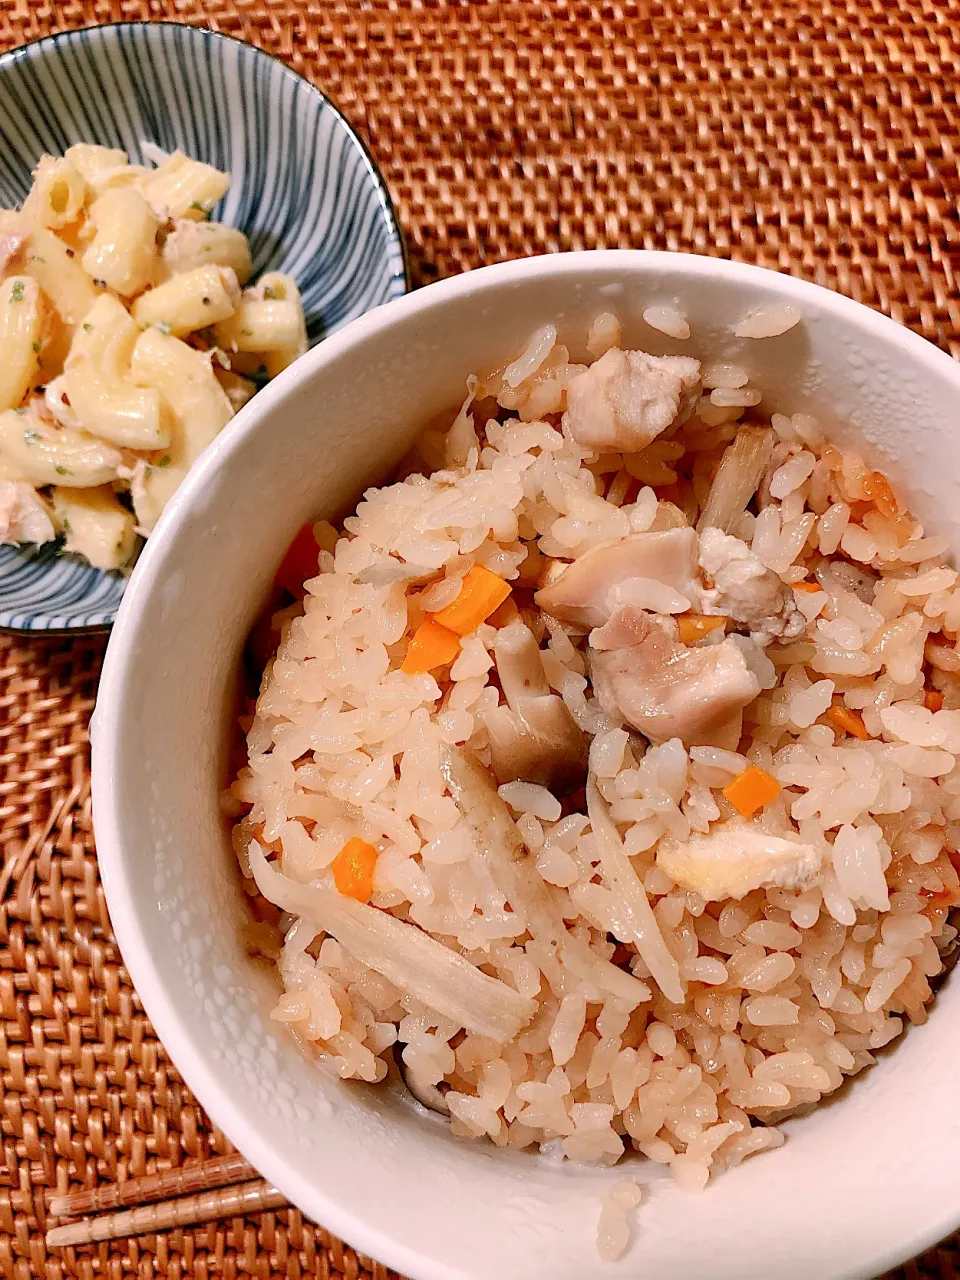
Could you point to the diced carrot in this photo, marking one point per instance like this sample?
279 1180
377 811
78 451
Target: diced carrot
849 721
482 593
933 699
432 646
694 626
353 869
300 562
877 488
807 586
751 790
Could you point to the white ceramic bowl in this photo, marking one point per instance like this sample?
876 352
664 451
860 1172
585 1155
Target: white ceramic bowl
868 1180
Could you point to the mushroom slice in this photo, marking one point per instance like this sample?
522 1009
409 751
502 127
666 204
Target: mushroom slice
412 960
738 478
501 847
534 738
537 740
519 666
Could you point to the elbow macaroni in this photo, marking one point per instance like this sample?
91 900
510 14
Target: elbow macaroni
45 454
95 525
21 327
123 252
56 269
198 405
58 194
260 326
93 162
204 244
184 188
103 408
283 288
195 300
103 399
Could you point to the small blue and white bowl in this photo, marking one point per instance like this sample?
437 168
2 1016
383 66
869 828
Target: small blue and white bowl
305 191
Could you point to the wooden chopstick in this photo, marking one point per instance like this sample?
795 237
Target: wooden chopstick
248 1197
219 1171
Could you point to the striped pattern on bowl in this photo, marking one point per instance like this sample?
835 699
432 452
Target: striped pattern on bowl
305 192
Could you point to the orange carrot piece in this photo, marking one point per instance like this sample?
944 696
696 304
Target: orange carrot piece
807 586
482 593
933 699
751 790
353 869
877 488
849 721
432 646
694 626
299 563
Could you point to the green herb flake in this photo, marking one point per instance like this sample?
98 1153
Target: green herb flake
36 344
199 206
246 333
30 436
16 293
162 326
269 293
164 461
35 257
65 524
87 328
62 471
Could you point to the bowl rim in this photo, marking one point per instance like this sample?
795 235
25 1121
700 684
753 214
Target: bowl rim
119 671
44 46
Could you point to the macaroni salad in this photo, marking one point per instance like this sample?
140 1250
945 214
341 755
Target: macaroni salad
130 338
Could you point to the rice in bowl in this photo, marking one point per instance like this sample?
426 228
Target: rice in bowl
604 777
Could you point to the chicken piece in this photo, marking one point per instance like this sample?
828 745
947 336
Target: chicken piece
534 738
642 673
736 858
628 398
23 514
745 590
582 593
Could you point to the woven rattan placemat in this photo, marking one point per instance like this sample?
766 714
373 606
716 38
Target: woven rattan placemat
817 136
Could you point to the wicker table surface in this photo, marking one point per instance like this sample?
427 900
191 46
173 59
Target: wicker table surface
819 137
